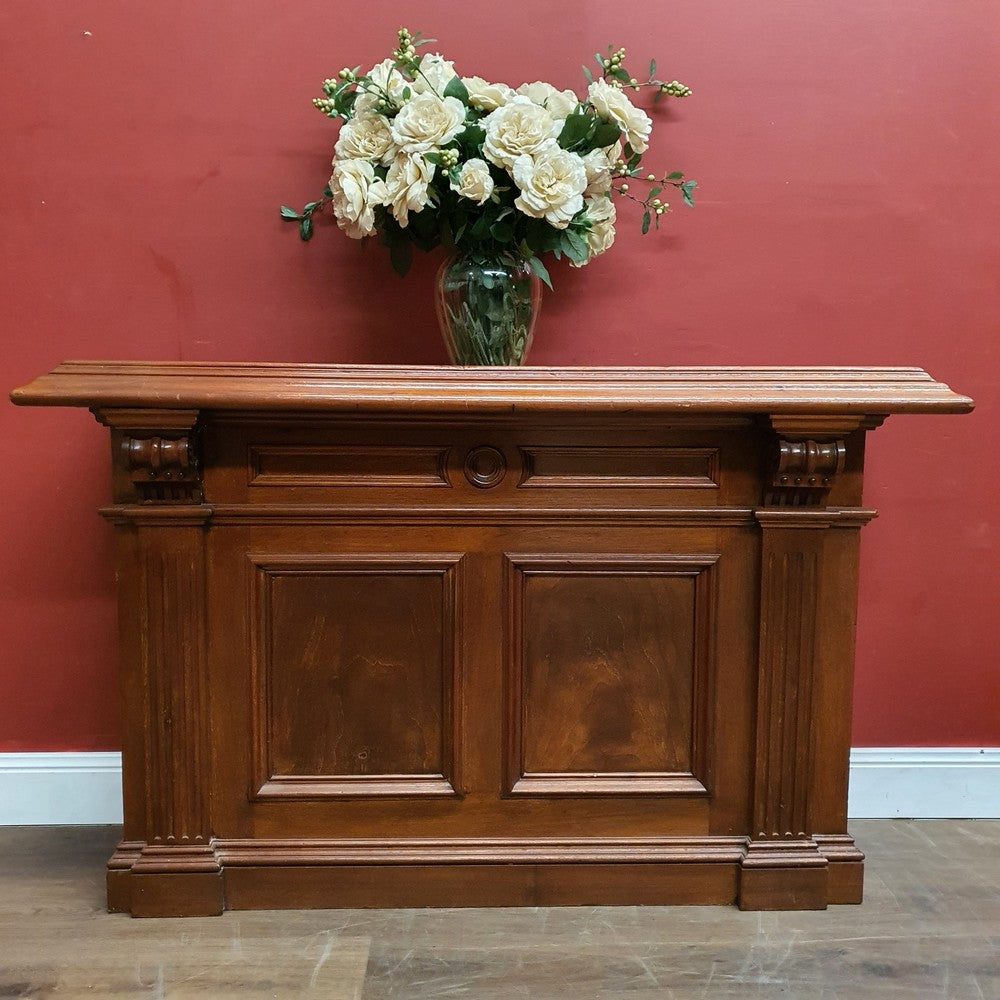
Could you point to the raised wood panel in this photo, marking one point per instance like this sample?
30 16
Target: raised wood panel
610 673
620 467
355 674
284 465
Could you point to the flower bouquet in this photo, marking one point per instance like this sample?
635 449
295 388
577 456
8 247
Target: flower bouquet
501 176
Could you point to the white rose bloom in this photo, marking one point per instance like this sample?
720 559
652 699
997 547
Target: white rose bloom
559 103
517 129
426 122
598 166
385 77
612 105
552 184
435 72
602 214
486 96
474 182
406 186
356 193
366 138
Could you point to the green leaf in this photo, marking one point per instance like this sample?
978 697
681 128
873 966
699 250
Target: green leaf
401 255
289 213
311 207
471 138
600 60
588 75
575 247
541 236
645 222
306 228
502 232
575 130
457 89
480 228
620 74
539 268
327 193
434 158
686 188
653 192
652 68
605 134
675 176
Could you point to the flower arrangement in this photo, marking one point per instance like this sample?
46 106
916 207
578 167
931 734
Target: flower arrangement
426 158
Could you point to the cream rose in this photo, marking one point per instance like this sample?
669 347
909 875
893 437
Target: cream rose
386 79
598 167
474 181
356 193
559 103
366 138
426 122
435 72
407 186
517 129
612 105
487 96
602 214
552 184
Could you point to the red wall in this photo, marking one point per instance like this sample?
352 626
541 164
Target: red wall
848 157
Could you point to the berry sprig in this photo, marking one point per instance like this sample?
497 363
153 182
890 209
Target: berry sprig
653 206
613 71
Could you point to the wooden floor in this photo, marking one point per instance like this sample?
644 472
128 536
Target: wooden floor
929 928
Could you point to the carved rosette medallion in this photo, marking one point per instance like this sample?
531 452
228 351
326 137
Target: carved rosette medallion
485 467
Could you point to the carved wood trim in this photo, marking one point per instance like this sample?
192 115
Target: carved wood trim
485 467
481 514
344 466
172 626
162 470
619 467
156 451
486 850
347 786
790 572
456 390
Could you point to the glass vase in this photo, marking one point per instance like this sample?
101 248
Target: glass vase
487 309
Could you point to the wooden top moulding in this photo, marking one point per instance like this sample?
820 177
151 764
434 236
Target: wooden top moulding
372 388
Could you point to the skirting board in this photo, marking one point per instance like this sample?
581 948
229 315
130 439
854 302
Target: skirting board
924 783
56 789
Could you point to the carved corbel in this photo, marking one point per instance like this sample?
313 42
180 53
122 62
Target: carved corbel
163 469
804 472
808 454
157 452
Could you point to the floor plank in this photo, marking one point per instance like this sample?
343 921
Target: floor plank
929 928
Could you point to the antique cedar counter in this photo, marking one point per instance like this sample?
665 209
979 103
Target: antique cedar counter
440 636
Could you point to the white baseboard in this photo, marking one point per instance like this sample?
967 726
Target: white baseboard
71 789
60 789
924 783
